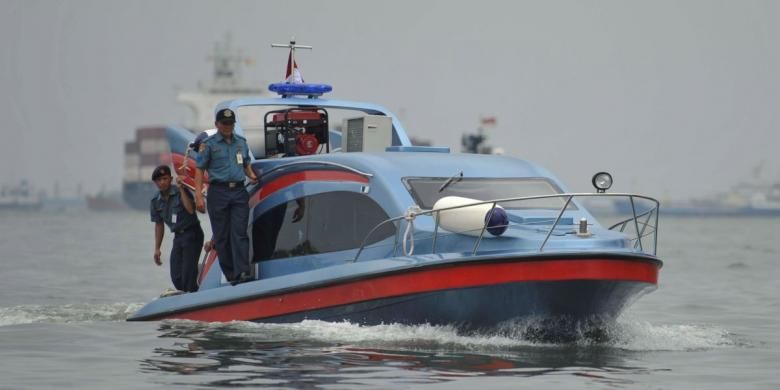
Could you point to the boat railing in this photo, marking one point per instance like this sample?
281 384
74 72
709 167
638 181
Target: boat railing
642 223
296 164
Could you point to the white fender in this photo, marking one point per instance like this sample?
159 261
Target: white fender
469 220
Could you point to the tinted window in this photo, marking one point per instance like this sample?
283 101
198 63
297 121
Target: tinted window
327 222
426 191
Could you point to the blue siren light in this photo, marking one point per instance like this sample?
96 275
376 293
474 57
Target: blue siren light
290 89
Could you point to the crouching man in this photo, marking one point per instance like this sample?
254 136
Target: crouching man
175 207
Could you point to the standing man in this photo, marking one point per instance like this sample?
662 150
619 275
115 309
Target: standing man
225 156
174 207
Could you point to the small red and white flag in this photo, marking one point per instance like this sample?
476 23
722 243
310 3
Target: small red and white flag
488 121
293 75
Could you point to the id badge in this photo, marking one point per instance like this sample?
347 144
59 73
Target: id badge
239 158
173 219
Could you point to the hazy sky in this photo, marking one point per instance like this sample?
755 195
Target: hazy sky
676 98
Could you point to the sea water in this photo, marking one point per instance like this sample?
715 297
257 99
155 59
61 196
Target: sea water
68 281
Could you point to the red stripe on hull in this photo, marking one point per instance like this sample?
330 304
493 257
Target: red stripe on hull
427 280
207 265
297 177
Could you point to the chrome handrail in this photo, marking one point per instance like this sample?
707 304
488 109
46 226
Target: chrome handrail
557 220
569 197
310 162
627 220
649 214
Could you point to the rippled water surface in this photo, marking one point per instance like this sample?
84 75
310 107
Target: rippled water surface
68 281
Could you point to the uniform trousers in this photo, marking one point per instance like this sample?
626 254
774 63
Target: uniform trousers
184 258
229 214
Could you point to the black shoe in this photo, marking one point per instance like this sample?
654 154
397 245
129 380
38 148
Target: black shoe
242 278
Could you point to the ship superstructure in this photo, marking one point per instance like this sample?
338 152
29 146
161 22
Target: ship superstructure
19 196
149 147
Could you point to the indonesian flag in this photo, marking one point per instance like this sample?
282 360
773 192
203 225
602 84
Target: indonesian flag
488 121
293 75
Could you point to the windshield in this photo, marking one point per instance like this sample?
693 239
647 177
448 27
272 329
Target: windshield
427 190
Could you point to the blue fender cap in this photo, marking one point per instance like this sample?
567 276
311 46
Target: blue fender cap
497 221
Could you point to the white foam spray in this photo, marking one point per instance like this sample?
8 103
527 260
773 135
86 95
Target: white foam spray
29 314
626 334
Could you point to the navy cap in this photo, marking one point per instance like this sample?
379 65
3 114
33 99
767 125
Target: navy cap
195 145
226 115
160 171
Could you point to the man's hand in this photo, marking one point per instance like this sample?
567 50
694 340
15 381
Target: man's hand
208 245
250 173
179 181
297 214
200 204
157 257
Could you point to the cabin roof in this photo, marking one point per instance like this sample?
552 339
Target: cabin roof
398 165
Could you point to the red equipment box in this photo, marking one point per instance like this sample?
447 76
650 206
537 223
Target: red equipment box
297 118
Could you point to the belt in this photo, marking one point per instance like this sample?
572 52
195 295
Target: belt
186 228
227 184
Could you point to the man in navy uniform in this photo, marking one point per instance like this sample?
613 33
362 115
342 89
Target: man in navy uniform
174 207
225 156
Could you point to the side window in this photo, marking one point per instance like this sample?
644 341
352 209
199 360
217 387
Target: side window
327 222
274 234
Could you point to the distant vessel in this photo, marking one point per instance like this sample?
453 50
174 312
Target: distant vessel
19 197
758 196
104 201
142 155
150 148
476 142
749 199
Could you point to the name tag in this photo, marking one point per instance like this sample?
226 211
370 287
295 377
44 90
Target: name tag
173 219
239 158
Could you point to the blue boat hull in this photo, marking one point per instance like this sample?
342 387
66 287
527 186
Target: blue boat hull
485 307
471 295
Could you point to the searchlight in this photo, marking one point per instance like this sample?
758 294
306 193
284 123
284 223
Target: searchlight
602 181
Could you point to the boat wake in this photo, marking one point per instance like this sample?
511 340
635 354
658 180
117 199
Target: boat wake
629 335
625 334
31 314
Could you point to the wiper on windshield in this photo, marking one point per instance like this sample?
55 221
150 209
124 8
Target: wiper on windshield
455 178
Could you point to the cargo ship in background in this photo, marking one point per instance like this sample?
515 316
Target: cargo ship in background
149 148
757 196
142 155
105 201
19 197
744 200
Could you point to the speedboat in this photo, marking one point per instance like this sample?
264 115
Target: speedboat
351 222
